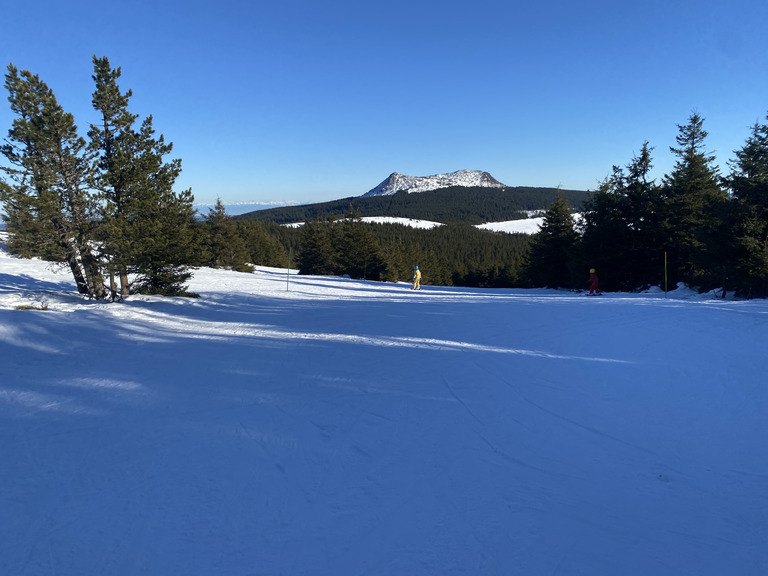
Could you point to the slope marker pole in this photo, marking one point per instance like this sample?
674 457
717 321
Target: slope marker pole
288 275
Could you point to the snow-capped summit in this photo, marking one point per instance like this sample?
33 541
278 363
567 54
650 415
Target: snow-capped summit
399 182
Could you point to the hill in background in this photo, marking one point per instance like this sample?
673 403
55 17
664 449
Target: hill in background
455 204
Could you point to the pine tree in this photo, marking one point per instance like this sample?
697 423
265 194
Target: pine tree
50 209
147 227
554 249
113 142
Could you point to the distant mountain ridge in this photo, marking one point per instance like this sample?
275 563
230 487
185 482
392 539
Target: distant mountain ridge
462 178
465 204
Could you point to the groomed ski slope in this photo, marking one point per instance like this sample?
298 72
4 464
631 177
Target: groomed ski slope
328 426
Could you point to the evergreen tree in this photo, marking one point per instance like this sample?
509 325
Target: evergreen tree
316 252
50 210
357 252
696 205
225 247
147 228
554 249
748 182
113 141
263 247
622 227
606 234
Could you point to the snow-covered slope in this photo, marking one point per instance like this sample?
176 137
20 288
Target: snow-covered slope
325 426
400 182
527 226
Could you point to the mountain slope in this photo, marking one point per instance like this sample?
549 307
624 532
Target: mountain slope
470 205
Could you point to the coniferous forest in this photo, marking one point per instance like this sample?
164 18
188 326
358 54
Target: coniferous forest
103 206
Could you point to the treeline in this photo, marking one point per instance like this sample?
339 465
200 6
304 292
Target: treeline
469 205
454 254
696 226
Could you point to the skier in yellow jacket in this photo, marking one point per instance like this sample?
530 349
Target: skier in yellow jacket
416 278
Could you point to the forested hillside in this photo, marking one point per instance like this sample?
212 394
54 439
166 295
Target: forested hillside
456 204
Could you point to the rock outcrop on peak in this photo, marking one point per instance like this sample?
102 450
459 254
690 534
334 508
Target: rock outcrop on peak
399 182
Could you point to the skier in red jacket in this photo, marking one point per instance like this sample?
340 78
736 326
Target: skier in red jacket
593 287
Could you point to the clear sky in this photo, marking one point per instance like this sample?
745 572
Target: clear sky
307 101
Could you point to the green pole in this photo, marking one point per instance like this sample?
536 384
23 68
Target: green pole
288 275
665 273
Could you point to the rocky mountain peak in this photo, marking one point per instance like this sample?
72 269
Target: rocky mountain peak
397 182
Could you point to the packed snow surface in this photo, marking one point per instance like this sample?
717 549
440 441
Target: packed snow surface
320 425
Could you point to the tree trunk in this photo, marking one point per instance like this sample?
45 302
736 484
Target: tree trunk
77 273
125 288
95 279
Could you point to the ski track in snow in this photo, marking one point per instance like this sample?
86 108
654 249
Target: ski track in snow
316 425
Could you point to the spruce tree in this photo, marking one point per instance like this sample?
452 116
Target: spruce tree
357 252
263 248
316 253
553 255
225 247
622 227
748 182
694 211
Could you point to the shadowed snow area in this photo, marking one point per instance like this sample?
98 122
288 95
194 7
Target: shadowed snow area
319 425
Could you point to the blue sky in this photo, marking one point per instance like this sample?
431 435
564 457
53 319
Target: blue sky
304 101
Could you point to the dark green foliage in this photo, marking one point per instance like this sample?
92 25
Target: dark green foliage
223 244
454 254
107 207
146 228
163 281
748 182
358 254
317 253
344 246
553 253
262 245
622 228
448 205
695 212
50 211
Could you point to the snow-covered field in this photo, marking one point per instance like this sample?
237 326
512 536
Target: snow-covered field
527 226
327 426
